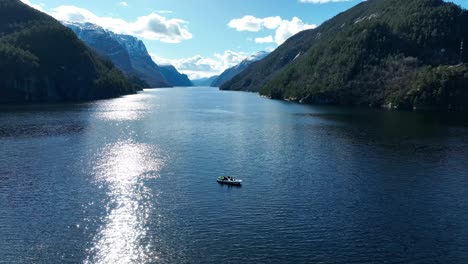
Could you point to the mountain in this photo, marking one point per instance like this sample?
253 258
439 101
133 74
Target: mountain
403 54
103 43
43 61
233 71
142 61
128 53
204 81
174 77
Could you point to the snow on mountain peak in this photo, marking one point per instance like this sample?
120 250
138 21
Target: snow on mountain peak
257 56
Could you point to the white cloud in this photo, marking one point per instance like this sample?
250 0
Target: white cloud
152 26
198 66
254 24
38 7
267 39
322 1
283 28
289 28
272 22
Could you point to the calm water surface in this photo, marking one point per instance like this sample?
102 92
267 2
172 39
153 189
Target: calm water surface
132 180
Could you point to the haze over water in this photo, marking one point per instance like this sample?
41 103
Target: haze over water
133 180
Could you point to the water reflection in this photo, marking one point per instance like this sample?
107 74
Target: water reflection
127 108
124 168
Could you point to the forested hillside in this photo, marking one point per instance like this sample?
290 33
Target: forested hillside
401 54
43 61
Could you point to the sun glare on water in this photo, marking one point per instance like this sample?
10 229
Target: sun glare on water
123 237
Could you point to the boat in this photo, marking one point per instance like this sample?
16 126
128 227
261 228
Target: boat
229 180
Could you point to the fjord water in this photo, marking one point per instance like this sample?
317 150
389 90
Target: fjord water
133 180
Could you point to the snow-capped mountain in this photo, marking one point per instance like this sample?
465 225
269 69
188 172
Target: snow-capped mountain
127 52
256 57
233 71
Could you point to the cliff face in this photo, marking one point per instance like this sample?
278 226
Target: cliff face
391 53
43 61
128 53
142 62
174 77
103 43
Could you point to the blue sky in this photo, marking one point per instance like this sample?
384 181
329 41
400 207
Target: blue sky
202 37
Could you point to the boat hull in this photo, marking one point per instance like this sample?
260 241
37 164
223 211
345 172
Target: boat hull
237 183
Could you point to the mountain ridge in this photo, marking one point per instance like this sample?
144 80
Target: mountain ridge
230 73
207 81
389 53
43 61
127 52
174 77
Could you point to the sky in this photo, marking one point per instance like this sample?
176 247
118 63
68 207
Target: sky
202 37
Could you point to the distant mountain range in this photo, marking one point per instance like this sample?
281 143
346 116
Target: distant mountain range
218 80
129 54
43 61
230 73
398 54
204 81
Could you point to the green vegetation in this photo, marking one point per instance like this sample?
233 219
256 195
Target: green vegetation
43 61
393 53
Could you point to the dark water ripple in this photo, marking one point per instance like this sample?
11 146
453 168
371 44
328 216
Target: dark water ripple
132 180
